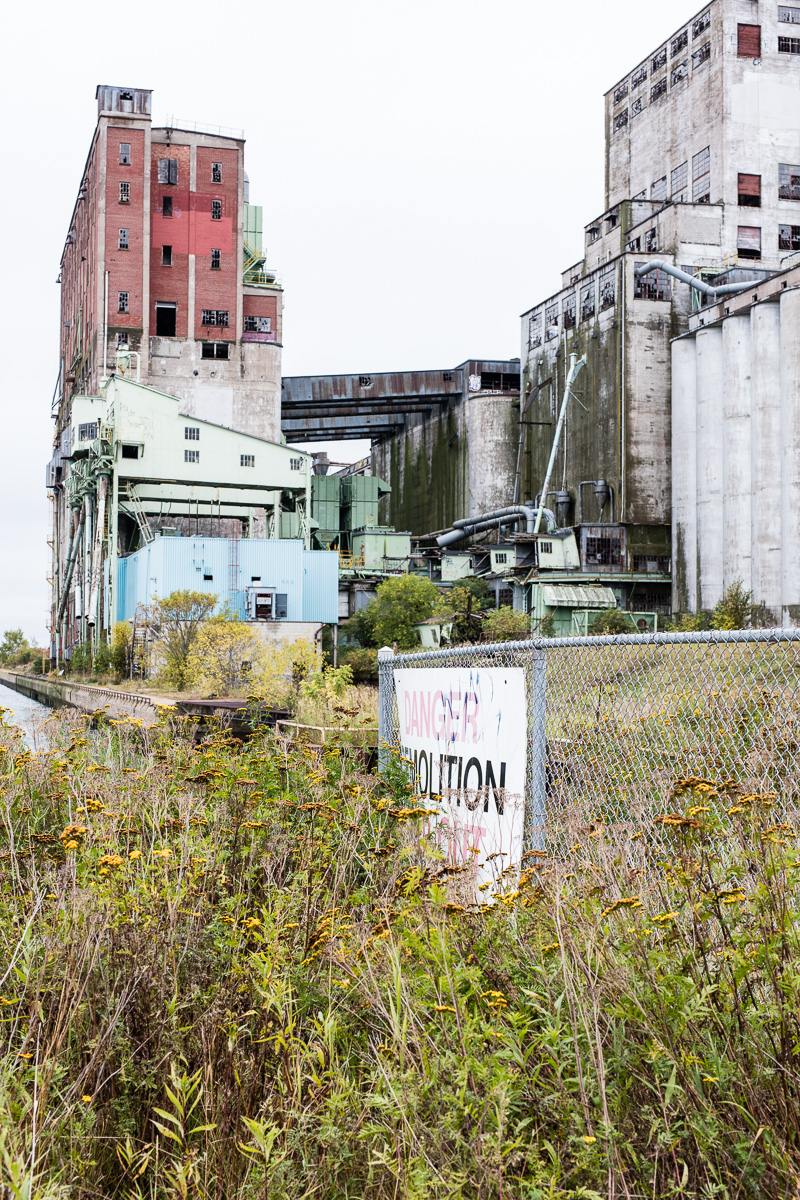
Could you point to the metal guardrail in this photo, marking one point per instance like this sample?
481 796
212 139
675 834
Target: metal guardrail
637 725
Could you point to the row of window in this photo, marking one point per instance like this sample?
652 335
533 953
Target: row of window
659 89
209 349
749 37
593 295
659 60
211 316
749 239
749 185
167 167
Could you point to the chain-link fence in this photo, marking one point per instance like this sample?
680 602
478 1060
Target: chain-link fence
621 730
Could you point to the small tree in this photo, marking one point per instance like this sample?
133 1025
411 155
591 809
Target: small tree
121 639
12 643
507 624
401 603
176 622
734 610
224 655
611 620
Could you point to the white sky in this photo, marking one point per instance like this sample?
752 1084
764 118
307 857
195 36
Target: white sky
426 168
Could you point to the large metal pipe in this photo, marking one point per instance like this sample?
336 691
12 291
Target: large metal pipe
765 446
737 486
699 285
790 444
684 475
515 510
469 526
72 554
97 552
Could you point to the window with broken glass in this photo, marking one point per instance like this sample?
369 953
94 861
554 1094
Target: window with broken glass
608 287
216 210
124 242
637 106
680 42
701 177
700 56
258 324
216 172
122 302
680 72
588 304
603 551
658 89
701 24
749 241
215 316
638 77
658 189
659 60
655 286
679 181
621 119
634 245
651 241
535 331
788 181
790 16
621 92
569 310
124 193
788 45
789 237
168 170
551 322
124 154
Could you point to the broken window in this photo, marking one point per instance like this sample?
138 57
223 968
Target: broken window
216 172
702 55
124 193
87 432
166 318
634 245
790 15
680 72
124 154
215 316
264 325
247 460
122 341
168 170
535 331
166 256
216 260
593 233
604 551
638 77
701 177
587 301
749 241
640 196
788 181
122 302
680 42
789 45
608 287
295 464
621 119
192 456
551 322
650 563
621 92
749 42
749 191
655 286
216 210
701 24
569 307
789 237
658 89
130 451
191 433
680 184
166 206
123 239
637 106
659 60
651 241
658 190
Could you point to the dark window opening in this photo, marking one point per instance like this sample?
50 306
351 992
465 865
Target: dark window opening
621 119
680 42
659 61
122 302
637 106
535 331
191 456
701 24
788 45
122 341
215 350
215 316
124 193
608 280
124 154
166 318
749 241
789 237
130 451
166 206
551 322
216 172
638 76
788 181
247 460
749 191
168 170
281 606
651 241
654 286
680 72
588 307
216 210
208 578
604 551
124 239
166 256
634 245
660 89
87 432
264 325
191 433
621 92
649 563
749 42
216 260
569 309
702 55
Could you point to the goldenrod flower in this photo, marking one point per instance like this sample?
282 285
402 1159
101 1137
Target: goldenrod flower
590 1140
86 1099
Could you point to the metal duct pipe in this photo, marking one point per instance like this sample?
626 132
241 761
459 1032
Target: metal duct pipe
598 491
72 554
698 284
467 527
575 368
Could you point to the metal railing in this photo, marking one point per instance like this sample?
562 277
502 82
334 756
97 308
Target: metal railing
632 725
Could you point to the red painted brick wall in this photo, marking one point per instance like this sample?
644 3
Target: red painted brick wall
125 267
170 284
216 289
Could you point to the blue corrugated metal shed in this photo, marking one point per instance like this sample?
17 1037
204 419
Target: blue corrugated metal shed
226 568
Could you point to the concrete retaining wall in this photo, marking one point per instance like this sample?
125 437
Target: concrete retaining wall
82 696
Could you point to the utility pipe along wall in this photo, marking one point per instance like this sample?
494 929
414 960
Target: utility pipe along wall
736 461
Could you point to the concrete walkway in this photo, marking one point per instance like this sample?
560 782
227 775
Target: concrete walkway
58 693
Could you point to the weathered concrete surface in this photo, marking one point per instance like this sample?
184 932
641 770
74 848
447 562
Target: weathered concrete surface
86 698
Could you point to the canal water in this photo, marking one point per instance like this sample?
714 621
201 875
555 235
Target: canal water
29 715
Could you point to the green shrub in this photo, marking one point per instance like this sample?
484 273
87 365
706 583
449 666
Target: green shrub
506 624
362 662
611 621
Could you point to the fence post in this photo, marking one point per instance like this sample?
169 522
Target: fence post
385 701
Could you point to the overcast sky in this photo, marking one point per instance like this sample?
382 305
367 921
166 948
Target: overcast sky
426 168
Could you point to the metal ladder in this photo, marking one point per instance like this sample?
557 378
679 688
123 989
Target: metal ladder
129 494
